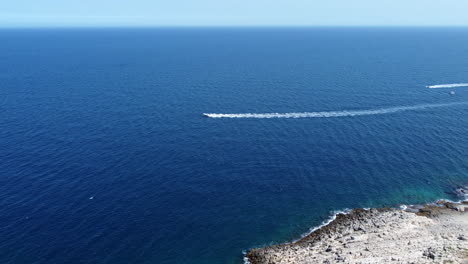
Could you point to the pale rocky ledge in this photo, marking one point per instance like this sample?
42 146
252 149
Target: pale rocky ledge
436 233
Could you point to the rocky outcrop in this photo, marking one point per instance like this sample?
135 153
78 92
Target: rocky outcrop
431 234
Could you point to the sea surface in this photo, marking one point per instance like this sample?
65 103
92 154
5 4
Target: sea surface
106 156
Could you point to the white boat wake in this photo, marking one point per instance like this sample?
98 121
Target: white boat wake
333 113
452 85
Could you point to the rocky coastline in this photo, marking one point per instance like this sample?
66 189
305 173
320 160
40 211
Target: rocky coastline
433 233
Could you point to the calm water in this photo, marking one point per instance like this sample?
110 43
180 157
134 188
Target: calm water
105 156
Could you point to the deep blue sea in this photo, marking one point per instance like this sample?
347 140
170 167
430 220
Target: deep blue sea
106 157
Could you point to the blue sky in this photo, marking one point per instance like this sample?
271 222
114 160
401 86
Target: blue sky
30 13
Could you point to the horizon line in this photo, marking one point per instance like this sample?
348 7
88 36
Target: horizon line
222 26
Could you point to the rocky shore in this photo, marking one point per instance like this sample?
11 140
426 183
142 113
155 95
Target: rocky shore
436 233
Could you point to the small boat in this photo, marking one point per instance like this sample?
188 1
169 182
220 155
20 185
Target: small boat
452 92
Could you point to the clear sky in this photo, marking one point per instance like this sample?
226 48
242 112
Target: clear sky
29 13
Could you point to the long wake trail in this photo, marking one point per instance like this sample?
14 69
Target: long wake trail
452 85
327 114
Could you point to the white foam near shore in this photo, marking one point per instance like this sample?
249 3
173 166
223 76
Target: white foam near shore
451 85
245 258
333 113
332 218
324 223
